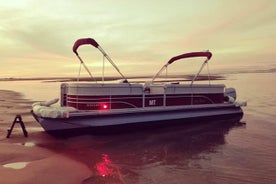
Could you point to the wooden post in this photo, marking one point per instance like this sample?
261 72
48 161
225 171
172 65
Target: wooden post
17 119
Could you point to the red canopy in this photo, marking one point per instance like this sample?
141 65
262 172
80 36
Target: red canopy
191 54
84 41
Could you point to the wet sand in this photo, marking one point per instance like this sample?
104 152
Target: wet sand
24 159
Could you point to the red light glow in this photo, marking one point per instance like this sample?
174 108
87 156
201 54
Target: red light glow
104 106
104 167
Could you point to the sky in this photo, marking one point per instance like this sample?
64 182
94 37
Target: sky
140 36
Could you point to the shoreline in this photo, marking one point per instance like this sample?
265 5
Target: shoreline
27 159
11 104
110 78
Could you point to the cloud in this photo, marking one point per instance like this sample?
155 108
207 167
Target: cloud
134 34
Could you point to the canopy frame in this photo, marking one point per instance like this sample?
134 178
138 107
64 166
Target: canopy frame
91 41
206 54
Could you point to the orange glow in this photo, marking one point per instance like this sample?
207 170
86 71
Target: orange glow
38 47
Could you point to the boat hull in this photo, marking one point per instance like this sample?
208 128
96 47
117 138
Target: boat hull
115 121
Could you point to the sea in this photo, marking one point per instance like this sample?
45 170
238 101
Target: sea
228 151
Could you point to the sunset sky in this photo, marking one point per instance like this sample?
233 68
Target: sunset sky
140 36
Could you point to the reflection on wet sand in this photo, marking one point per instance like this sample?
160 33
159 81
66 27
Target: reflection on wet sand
133 157
16 165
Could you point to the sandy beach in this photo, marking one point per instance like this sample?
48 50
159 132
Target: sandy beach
25 159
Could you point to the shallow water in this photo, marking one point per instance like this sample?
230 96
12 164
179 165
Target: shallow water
220 151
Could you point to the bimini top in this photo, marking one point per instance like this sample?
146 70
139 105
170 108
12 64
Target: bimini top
191 54
84 41
206 54
91 41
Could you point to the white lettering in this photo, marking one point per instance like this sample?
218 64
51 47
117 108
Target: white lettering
152 102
